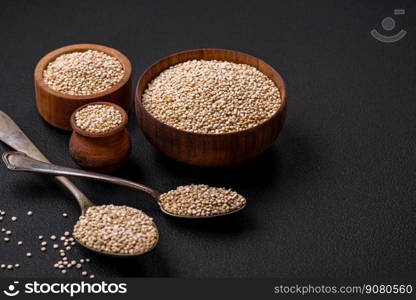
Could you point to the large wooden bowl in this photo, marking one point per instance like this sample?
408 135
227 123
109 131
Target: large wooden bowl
210 149
56 108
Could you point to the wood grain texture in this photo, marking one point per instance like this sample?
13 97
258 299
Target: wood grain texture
210 150
101 152
56 108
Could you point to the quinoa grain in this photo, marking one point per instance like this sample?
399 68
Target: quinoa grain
83 73
201 201
98 118
212 97
116 230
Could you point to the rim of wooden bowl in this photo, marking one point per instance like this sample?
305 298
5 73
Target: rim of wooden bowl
46 59
110 132
282 89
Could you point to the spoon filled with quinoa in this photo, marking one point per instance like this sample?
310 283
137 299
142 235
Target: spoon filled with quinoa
189 201
116 230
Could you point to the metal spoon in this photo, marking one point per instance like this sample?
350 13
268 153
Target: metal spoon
14 137
17 161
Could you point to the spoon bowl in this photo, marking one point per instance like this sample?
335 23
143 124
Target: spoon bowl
111 254
201 217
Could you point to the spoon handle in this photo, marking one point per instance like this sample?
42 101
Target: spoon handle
13 136
17 161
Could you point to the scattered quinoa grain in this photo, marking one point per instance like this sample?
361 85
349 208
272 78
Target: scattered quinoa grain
14 219
29 213
19 243
29 254
43 249
64 215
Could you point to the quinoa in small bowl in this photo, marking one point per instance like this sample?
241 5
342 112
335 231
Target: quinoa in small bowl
75 75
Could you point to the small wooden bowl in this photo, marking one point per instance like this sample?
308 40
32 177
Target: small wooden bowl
210 149
56 108
100 152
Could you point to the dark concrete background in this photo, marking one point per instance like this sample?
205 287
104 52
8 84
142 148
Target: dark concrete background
333 198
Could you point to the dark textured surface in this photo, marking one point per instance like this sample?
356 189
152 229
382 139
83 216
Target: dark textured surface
334 197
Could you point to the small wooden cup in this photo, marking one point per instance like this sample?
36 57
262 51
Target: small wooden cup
100 152
56 108
210 150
